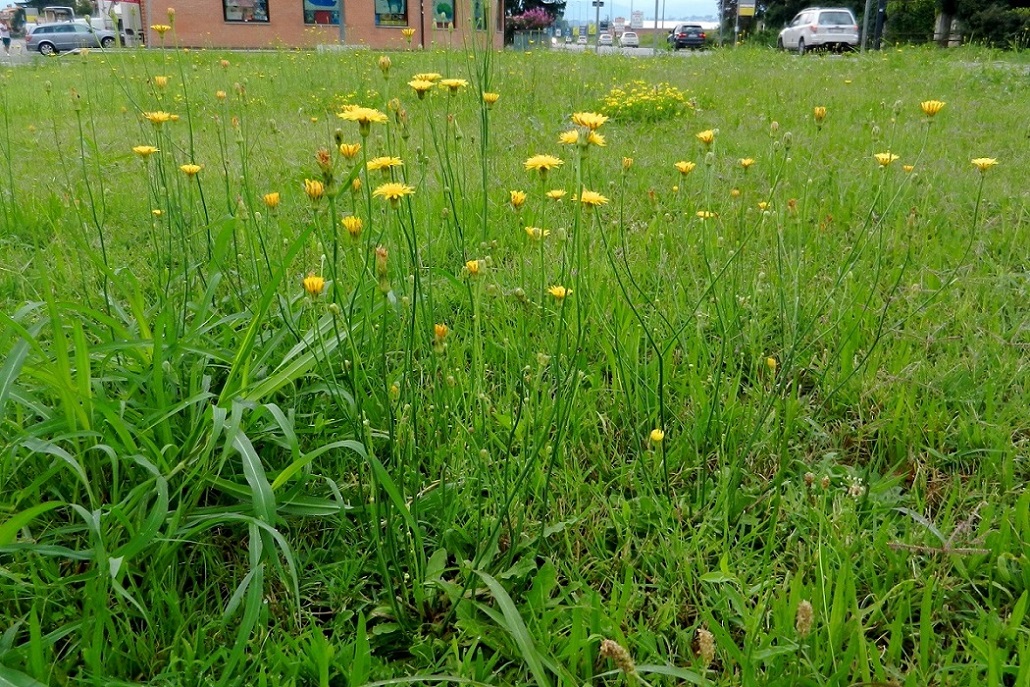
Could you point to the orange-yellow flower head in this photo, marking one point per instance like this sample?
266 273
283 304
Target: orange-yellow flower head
819 114
537 234
596 139
453 85
627 162
315 189
408 33
491 99
271 199
145 151
556 194
384 164
685 167
746 162
473 267
706 214
559 292
931 107
157 118
364 116
542 164
431 77
885 159
160 29
384 65
221 95
908 168
657 435
984 163
569 137
592 199
350 150
353 225
191 170
314 285
589 120
706 137
393 192
421 87
440 331
517 199
160 81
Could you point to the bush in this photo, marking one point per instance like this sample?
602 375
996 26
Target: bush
640 101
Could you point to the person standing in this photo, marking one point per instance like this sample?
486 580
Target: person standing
5 35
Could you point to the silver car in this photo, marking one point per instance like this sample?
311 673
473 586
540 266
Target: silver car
833 28
629 40
50 39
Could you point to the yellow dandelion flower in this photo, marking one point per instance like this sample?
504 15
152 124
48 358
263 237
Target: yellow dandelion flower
353 225
393 192
589 120
157 213
746 162
473 267
517 198
220 95
569 137
385 164
556 194
440 331
627 162
908 168
145 151
542 164
364 116
453 84
431 77
771 363
160 29
314 285
931 107
408 33
984 163
537 234
594 138
491 99
819 114
706 137
657 435
271 199
157 118
191 170
314 188
685 167
350 150
592 199
763 205
559 291
706 214
421 87
160 81
885 158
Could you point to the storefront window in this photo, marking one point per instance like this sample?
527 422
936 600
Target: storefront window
443 13
391 12
322 12
246 10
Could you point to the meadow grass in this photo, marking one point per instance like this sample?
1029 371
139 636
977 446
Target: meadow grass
730 423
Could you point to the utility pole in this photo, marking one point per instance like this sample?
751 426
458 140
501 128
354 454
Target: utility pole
881 19
655 27
343 23
865 24
598 4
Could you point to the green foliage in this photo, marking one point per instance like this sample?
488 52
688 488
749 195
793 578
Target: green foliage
910 21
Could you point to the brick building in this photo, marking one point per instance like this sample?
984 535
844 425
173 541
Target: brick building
307 23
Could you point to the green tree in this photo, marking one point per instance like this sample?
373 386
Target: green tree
911 21
1000 23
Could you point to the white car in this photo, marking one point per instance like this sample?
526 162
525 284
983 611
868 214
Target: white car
630 40
833 28
604 39
582 40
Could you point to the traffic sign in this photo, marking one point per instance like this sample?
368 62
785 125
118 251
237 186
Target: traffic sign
597 3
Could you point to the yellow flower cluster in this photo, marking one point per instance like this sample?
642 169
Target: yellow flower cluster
640 101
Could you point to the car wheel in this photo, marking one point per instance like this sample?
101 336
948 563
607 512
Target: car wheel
779 42
801 46
107 42
47 49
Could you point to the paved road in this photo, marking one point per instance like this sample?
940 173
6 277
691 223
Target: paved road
643 51
17 56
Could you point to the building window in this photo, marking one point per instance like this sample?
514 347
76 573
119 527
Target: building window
479 14
322 12
391 12
443 13
246 10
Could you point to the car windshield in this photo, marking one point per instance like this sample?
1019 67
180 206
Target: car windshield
836 19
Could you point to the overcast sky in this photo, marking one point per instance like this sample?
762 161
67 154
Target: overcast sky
674 9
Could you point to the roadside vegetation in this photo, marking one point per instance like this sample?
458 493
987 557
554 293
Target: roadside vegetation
479 368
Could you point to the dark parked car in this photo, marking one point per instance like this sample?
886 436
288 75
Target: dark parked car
687 36
50 39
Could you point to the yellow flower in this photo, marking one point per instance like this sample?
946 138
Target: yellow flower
408 33
157 213
589 120
353 225
160 81
355 185
819 114
559 291
763 205
518 198
746 162
271 199
224 64
491 99
384 65
596 139
350 150
705 214
707 136
453 84
569 137
592 199
543 164
685 167
885 158
908 168
473 267
537 234
440 331
157 118
384 163
771 363
220 95
735 193
431 77
556 194
191 170
314 285
393 192
161 29
984 163
657 435
364 116
627 162
145 151
931 107
421 87
315 189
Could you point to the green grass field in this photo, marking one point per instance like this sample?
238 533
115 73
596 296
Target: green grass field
741 423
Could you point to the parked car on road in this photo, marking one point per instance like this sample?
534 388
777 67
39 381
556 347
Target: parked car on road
582 40
833 28
629 39
604 39
50 39
687 36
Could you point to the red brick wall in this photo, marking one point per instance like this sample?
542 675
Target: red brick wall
202 24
